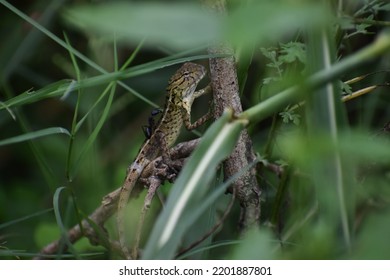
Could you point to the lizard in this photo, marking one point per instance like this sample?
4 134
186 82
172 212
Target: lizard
151 123
181 92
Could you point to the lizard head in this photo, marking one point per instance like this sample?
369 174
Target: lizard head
185 81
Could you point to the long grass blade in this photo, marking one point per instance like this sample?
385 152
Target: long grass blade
33 215
58 216
34 135
92 138
326 117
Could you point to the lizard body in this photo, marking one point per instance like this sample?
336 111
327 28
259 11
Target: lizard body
180 96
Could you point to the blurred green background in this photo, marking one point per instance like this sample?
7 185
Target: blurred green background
277 45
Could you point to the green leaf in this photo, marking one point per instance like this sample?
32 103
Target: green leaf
191 187
293 51
178 26
356 147
362 27
34 135
263 20
345 88
290 116
293 94
326 117
381 6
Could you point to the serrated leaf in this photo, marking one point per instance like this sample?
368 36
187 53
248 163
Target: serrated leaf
293 51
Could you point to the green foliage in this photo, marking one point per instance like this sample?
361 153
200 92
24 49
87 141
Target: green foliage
46 233
256 245
155 22
272 20
290 116
286 67
324 170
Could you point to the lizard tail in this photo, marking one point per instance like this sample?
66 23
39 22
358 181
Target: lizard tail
127 187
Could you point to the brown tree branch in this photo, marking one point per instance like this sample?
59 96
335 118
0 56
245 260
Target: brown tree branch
226 95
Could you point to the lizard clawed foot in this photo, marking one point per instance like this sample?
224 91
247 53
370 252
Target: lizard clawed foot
160 170
164 171
173 168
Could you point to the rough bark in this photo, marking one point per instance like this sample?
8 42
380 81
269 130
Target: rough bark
226 95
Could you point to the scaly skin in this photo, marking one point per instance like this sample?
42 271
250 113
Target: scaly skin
180 96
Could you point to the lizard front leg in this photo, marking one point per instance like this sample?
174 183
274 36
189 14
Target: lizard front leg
186 109
205 90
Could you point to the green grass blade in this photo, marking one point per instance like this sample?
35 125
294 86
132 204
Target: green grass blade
13 116
63 86
210 247
30 96
18 253
34 135
36 214
92 138
76 109
325 116
106 77
191 187
57 214
23 50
